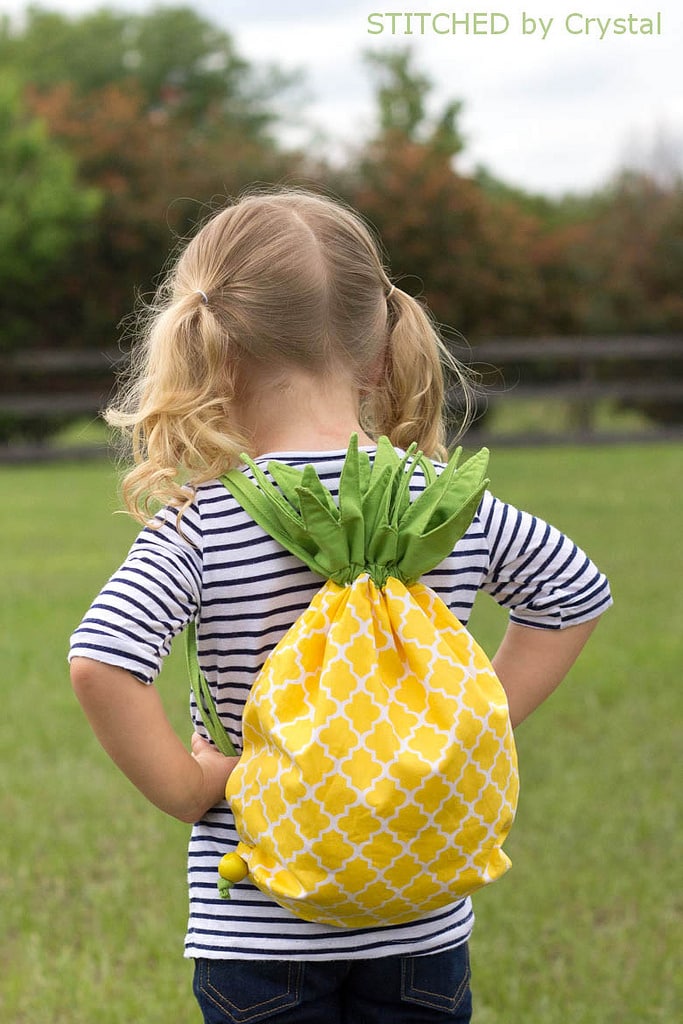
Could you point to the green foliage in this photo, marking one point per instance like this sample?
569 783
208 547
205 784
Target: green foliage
496 260
634 255
474 257
92 879
402 92
490 259
177 61
158 115
129 128
134 125
552 212
51 48
44 212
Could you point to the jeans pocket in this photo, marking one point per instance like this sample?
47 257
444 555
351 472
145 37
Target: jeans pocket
246 991
440 981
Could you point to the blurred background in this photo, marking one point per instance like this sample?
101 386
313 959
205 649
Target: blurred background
524 173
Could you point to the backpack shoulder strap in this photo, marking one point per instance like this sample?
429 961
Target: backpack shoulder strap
202 695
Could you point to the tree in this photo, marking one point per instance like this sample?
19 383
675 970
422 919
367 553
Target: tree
139 124
473 259
633 257
180 64
160 114
157 179
474 254
402 92
44 213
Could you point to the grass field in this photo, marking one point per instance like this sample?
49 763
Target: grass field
586 928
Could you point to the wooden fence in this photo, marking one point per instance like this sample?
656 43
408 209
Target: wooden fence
41 388
638 372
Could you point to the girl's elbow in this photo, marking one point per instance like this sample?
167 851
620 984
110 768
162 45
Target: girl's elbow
89 678
82 675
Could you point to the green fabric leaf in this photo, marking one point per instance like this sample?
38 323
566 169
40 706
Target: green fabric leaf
266 506
376 501
287 478
418 550
375 527
449 490
312 482
401 485
351 504
331 539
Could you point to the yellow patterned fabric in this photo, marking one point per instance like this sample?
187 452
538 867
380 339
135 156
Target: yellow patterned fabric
378 777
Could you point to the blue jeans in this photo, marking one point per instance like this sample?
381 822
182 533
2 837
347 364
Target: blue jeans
429 989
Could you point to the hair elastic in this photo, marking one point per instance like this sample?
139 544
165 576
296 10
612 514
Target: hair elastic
205 297
391 291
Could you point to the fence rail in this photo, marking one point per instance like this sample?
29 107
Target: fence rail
643 372
582 348
44 387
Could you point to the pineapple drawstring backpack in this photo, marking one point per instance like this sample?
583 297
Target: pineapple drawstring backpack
378 778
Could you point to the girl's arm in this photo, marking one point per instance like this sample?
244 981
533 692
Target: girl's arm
129 720
531 663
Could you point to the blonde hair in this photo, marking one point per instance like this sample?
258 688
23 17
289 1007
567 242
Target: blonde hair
280 278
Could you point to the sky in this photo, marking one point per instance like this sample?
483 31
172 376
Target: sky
558 94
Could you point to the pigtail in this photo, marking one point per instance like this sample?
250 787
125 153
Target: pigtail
408 405
174 407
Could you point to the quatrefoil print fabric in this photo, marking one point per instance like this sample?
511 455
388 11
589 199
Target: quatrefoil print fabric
378 779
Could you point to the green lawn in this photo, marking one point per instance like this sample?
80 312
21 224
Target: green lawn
586 928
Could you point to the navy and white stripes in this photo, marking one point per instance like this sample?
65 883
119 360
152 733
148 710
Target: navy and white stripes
245 592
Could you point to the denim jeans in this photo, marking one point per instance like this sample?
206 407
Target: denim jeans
429 989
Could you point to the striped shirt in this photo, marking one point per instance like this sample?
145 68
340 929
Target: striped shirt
245 592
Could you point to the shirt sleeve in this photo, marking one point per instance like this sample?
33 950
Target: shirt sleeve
149 600
537 572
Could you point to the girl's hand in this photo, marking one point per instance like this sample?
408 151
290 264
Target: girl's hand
216 769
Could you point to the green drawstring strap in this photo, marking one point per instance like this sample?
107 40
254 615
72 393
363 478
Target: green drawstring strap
203 698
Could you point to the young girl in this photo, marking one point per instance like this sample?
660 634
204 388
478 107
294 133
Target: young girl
279 333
